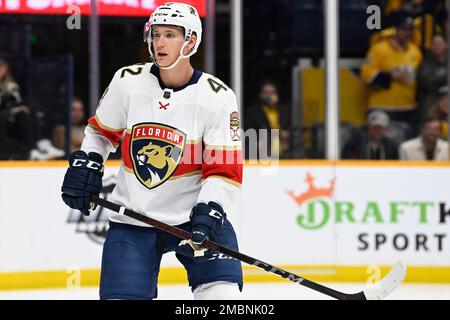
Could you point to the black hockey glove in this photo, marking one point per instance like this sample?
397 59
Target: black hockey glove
207 221
189 249
83 179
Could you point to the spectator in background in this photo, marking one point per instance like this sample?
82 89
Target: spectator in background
16 134
395 10
20 134
429 18
78 124
432 75
389 70
427 146
371 143
267 113
440 111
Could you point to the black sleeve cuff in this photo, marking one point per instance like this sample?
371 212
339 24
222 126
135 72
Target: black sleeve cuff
382 80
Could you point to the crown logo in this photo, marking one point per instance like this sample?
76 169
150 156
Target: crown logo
312 192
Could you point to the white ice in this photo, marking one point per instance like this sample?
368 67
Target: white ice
256 291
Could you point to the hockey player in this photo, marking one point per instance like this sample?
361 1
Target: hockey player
181 164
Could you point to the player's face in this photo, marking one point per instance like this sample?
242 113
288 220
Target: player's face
167 42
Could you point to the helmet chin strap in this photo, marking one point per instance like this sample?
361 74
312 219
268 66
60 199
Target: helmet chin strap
173 64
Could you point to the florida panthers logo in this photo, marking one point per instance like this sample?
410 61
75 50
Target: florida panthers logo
156 150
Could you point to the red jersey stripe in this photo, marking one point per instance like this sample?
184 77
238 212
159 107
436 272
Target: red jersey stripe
125 149
113 136
224 163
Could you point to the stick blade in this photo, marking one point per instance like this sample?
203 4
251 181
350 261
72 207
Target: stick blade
388 284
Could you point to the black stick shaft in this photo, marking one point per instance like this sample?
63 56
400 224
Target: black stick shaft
229 252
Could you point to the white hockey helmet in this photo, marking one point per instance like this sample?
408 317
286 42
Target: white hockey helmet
177 14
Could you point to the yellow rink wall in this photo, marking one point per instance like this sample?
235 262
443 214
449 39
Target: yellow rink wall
177 275
55 276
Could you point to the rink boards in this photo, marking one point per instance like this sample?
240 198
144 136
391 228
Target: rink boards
342 221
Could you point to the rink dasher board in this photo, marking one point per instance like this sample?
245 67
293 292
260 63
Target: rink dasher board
341 221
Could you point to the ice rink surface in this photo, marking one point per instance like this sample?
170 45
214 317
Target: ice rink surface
252 291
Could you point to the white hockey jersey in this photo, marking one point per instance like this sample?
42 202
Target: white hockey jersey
179 146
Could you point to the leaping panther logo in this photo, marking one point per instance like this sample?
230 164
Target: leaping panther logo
156 160
156 151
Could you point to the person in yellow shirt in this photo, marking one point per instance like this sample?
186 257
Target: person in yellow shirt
390 72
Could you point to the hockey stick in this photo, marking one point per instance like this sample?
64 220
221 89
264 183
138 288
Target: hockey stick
378 291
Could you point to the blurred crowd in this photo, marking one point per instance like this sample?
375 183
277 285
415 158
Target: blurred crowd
408 91
405 71
22 136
